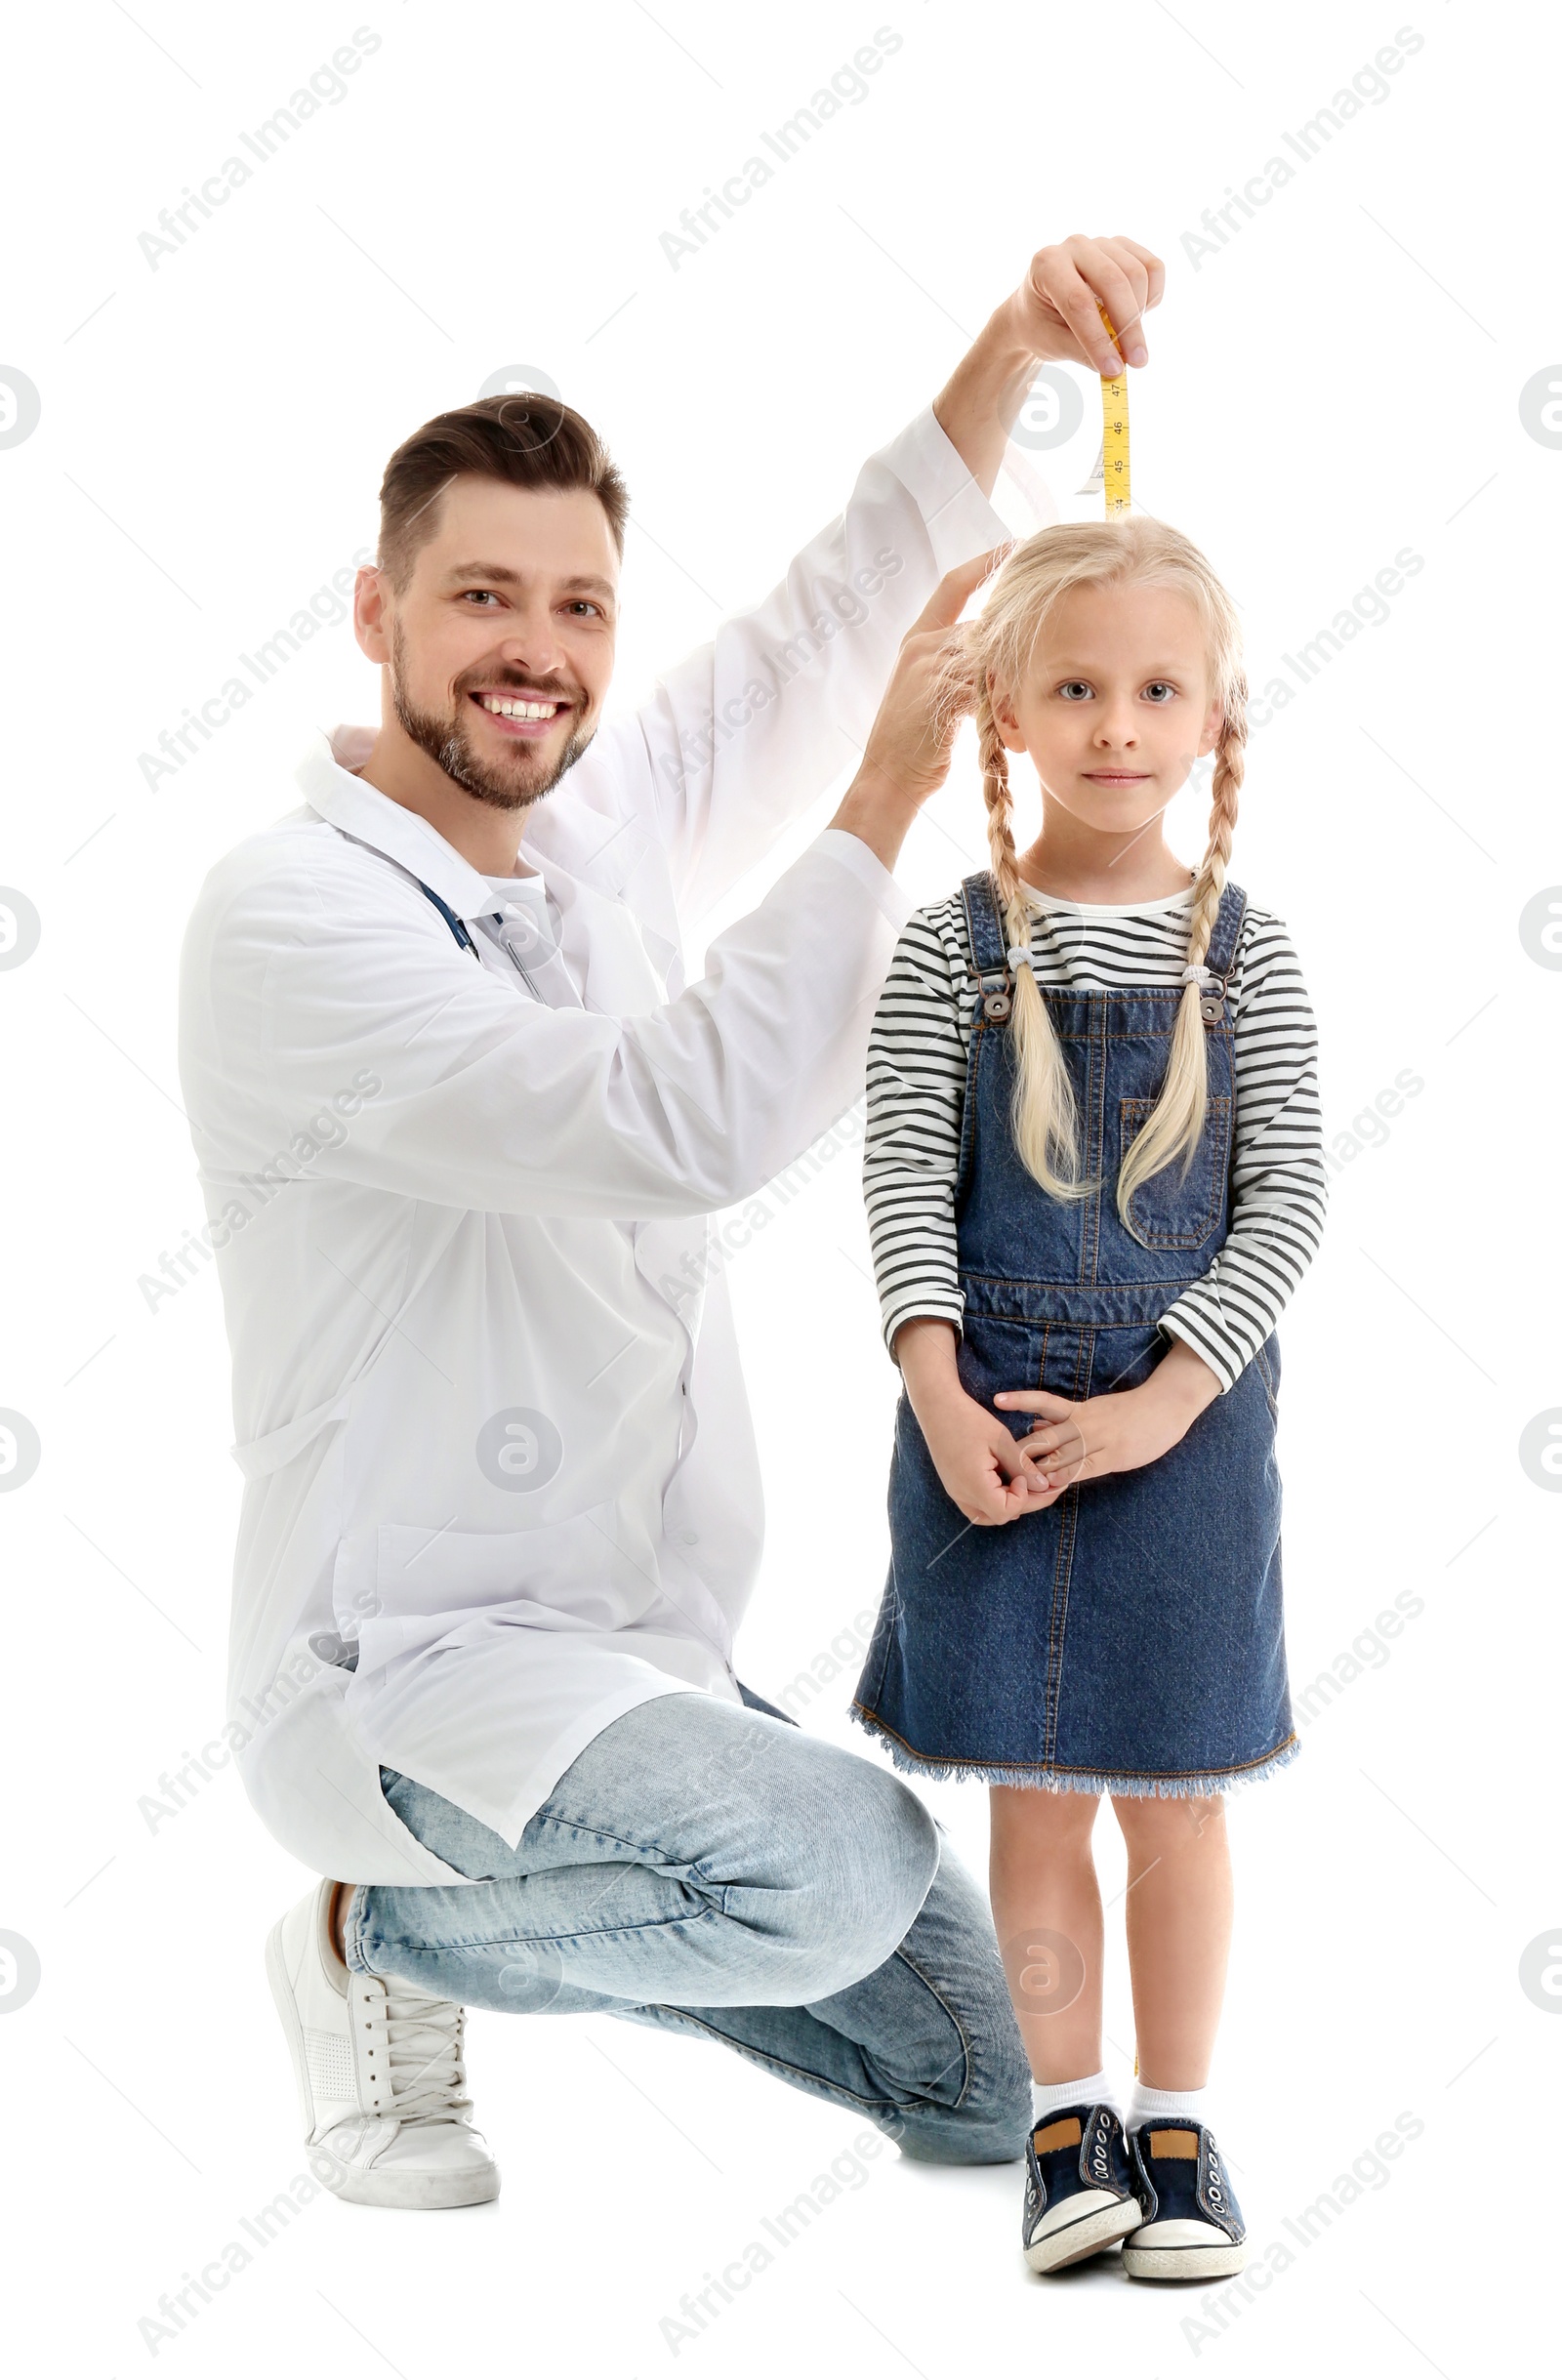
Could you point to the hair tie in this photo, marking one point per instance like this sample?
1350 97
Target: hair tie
1198 974
1021 957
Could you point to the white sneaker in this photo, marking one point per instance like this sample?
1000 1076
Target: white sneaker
381 2074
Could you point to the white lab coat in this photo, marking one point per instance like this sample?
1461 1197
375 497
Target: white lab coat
486 1398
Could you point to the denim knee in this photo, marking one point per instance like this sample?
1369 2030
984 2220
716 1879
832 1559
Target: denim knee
897 1850
853 1889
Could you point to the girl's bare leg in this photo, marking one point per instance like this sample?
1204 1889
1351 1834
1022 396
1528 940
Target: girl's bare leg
1179 1933
1047 1908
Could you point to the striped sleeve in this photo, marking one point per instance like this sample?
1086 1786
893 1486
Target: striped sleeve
1279 1182
911 1148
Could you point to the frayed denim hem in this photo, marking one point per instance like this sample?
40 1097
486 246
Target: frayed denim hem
1039 1776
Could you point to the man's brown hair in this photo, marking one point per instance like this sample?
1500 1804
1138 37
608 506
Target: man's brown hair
526 438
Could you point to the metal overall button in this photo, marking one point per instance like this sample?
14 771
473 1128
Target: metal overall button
1212 1000
994 995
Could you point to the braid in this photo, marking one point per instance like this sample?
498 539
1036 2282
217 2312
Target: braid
1046 1114
999 822
1224 787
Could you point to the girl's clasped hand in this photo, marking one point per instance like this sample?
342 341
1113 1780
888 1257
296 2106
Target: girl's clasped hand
992 1475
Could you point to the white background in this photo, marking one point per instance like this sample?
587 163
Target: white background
1339 380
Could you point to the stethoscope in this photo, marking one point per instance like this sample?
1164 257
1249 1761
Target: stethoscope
458 927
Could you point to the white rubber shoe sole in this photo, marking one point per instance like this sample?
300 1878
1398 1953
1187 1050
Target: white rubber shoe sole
1183 2251
1102 2219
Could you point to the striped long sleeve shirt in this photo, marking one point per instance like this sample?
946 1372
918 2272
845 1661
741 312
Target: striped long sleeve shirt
917 1063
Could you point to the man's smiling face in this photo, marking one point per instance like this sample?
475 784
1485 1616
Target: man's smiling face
501 644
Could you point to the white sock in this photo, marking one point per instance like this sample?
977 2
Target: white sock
1152 2106
1091 2091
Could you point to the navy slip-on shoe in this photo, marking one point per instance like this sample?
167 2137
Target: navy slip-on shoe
1079 2191
1190 2226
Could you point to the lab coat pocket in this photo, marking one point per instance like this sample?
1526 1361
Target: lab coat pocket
400 1587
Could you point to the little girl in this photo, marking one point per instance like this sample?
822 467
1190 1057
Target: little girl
1095 1175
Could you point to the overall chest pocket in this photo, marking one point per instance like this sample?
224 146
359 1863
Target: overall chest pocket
1168 1211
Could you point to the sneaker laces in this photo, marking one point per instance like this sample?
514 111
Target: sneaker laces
423 2040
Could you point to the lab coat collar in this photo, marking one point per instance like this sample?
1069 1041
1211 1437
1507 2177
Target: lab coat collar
361 810
325 776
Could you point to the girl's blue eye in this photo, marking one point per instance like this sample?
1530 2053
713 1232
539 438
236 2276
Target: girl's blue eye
1160 682
1072 685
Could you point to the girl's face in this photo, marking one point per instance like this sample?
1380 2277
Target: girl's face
1117 706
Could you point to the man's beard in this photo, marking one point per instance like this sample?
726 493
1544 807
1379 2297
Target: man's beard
504 787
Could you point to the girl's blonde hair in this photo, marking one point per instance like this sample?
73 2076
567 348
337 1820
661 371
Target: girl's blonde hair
995 651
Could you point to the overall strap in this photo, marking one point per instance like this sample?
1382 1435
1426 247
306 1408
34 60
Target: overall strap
451 920
988 947
1221 954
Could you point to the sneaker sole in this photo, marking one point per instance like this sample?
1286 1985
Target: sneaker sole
1072 2243
1183 2264
427 2191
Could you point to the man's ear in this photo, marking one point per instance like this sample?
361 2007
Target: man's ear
371 613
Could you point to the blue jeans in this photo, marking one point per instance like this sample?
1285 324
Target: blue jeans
711 1868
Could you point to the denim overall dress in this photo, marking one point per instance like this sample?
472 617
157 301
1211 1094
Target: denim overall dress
1129 1637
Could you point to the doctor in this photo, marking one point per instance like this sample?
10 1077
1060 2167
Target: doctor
460 1125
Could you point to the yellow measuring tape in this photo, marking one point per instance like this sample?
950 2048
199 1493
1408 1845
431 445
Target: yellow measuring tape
1115 435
